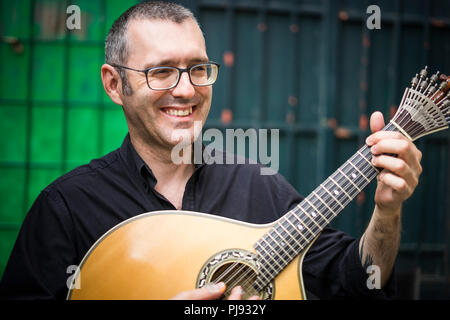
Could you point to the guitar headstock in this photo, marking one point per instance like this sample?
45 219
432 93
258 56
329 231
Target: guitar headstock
425 106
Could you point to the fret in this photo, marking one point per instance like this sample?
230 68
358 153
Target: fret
280 246
368 161
348 184
302 223
273 253
291 235
269 255
265 279
264 264
337 193
295 240
337 201
285 244
318 206
370 173
359 176
331 210
366 165
259 285
297 228
365 150
264 275
305 219
362 174
261 272
357 188
312 213
339 186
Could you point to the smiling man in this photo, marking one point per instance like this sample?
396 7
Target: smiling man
162 99
158 70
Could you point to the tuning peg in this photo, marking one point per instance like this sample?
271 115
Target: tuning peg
434 78
445 104
447 96
423 72
414 81
432 89
423 85
443 85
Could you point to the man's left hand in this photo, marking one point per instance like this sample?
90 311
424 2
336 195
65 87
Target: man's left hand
400 176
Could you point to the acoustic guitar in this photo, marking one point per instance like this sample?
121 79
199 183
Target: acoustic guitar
158 254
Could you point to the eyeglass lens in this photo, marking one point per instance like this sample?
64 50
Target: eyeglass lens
167 77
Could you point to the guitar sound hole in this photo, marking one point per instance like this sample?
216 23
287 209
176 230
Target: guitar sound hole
237 274
235 267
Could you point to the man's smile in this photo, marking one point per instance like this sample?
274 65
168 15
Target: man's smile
179 111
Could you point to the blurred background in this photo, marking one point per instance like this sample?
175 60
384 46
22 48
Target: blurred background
310 68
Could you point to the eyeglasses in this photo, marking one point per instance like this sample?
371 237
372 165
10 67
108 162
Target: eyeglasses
165 78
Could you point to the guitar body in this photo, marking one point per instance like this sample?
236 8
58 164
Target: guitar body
157 255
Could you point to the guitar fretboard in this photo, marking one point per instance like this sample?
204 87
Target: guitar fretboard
297 228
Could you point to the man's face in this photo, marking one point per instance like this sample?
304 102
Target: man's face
161 117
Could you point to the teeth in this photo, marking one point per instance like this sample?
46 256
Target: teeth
178 112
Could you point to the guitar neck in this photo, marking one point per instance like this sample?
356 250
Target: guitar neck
300 226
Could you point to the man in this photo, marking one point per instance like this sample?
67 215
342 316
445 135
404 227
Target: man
161 104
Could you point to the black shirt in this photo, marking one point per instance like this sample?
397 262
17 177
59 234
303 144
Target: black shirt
78 208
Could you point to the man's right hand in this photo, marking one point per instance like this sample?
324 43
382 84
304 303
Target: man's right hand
211 292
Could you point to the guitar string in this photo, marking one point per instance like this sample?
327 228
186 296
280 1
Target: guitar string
329 196
316 202
401 118
417 127
412 95
246 284
310 225
247 272
417 98
401 122
343 178
438 101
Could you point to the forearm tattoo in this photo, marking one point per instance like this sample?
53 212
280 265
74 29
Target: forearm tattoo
367 260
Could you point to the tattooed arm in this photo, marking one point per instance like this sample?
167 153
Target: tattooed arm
380 242
396 183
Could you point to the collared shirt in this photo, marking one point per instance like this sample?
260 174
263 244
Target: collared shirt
78 208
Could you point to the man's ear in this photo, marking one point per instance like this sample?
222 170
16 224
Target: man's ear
112 83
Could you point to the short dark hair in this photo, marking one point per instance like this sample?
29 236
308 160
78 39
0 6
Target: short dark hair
116 43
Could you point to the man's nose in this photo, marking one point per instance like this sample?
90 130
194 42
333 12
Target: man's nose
184 87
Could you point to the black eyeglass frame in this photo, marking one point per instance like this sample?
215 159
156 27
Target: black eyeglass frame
180 72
